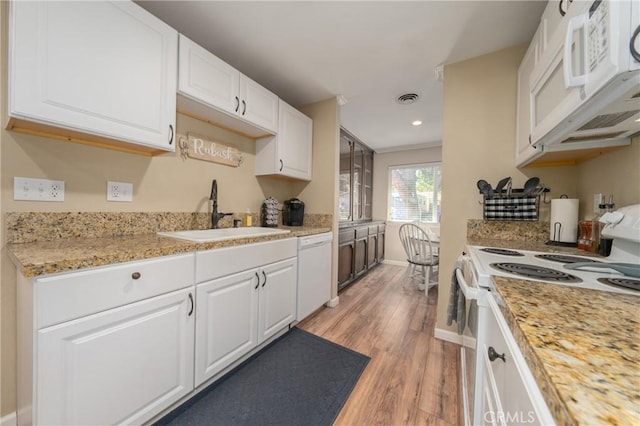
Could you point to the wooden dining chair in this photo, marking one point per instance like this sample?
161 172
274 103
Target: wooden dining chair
421 254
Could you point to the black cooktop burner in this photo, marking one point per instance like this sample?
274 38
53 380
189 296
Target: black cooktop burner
563 258
628 283
501 251
536 272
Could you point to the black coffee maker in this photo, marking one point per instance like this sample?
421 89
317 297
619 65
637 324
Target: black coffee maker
293 212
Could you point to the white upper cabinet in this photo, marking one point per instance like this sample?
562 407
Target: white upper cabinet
289 154
214 91
102 73
525 150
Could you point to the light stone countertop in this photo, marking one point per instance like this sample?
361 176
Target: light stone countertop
49 257
582 347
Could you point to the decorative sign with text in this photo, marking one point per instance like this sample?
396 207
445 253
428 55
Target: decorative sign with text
198 147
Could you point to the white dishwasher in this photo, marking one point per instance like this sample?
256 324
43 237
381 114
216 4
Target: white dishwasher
314 273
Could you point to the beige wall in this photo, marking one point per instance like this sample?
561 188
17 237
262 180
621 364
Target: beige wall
393 249
616 173
321 194
478 143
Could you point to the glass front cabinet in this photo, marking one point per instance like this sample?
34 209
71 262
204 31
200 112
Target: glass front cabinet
356 179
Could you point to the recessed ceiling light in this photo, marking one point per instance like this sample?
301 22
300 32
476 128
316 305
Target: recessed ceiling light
416 122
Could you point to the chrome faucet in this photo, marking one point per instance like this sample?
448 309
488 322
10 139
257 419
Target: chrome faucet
215 215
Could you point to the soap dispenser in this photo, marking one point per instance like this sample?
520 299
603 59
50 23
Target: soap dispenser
247 218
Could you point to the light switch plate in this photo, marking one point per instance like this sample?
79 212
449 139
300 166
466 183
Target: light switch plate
30 189
119 191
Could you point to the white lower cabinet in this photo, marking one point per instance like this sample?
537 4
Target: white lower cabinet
226 322
278 292
117 367
511 394
109 345
236 313
120 344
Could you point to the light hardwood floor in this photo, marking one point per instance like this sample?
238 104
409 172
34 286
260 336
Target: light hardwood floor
412 378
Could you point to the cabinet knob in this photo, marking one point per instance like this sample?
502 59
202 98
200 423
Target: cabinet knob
493 355
136 275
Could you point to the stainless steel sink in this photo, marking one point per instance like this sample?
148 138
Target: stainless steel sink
208 235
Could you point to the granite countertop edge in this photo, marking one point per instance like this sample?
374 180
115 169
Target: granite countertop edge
553 351
65 255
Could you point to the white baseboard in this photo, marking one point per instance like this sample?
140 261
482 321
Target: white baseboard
333 302
395 262
449 336
9 420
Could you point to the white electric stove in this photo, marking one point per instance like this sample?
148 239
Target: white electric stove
558 268
554 267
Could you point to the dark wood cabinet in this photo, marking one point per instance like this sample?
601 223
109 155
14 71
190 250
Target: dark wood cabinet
356 179
359 250
380 251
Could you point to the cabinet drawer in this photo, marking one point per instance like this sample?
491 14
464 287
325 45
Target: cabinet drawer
72 295
217 263
362 232
346 236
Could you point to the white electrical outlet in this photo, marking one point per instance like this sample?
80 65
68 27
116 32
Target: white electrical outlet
119 191
29 189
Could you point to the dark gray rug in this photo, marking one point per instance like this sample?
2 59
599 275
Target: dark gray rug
299 379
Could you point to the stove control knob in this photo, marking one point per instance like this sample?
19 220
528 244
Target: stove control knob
493 355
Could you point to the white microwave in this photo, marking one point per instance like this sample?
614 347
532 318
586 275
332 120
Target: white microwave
585 88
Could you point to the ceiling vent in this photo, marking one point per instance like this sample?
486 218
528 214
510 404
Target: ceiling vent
407 98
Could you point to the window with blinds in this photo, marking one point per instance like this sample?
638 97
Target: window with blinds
415 193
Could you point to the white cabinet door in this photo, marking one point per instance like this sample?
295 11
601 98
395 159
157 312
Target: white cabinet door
120 366
258 105
295 137
525 151
289 153
206 78
106 69
277 298
226 322
551 99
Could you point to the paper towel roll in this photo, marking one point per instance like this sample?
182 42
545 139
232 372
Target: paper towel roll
564 220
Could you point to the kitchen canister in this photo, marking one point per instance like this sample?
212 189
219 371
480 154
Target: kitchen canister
564 220
269 212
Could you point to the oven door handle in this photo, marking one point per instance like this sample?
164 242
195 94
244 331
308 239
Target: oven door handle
471 293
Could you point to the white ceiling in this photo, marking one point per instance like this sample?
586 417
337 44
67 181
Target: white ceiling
368 51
